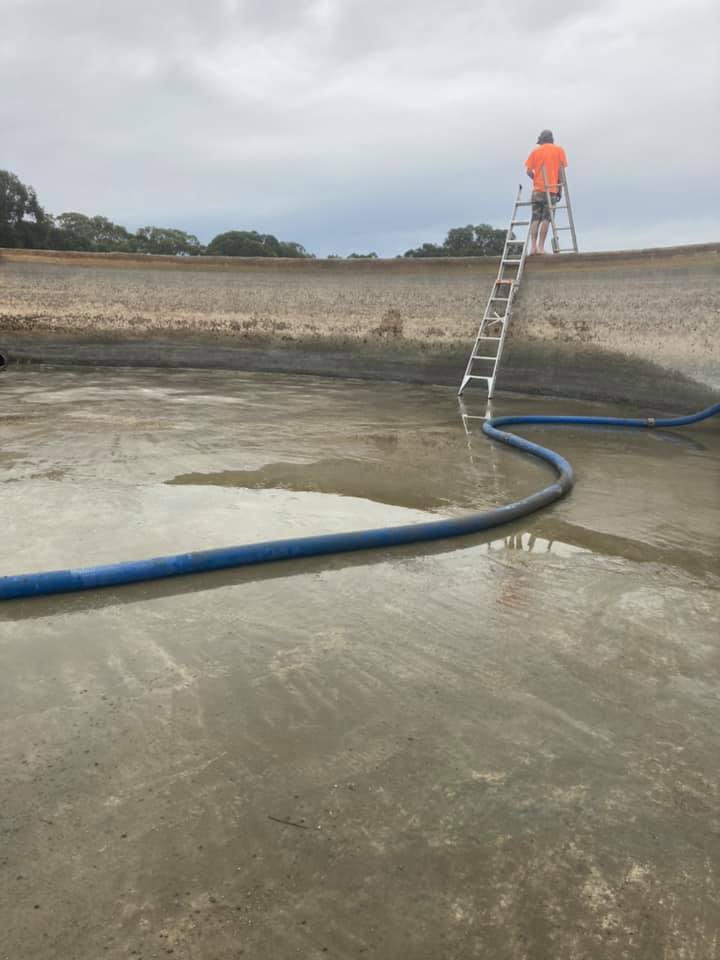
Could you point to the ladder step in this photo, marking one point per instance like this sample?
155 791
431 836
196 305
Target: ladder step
474 376
489 338
519 223
477 356
501 299
512 262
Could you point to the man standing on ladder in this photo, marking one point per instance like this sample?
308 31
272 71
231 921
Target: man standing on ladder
544 167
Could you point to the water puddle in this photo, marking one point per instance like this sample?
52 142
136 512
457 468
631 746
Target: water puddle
401 485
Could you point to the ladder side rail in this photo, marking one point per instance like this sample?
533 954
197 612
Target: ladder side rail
499 277
481 330
523 257
511 298
509 233
571 219
506 321
555 240
508 242
496 365
490 317
487 320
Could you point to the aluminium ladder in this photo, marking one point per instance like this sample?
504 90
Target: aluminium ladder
490 340
494 325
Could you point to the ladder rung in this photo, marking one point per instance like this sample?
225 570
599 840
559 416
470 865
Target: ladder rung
501 299
504 281
477 356
489 338
474 376
524 203
512 262
558 229
519 223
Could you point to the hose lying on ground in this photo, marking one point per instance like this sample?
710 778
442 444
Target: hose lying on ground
132 571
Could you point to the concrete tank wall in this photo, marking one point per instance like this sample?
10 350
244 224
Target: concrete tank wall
637 325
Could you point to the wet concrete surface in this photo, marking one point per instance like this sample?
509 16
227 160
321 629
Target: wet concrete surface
499 747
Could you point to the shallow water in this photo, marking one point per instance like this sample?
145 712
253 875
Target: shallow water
503 745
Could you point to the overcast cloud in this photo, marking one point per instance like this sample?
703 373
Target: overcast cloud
364 125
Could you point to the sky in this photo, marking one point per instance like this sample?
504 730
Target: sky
358 125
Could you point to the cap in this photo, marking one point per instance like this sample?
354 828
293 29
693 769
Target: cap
546 136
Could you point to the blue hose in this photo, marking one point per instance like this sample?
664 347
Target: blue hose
132 571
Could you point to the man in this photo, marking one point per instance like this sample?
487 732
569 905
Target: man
550 159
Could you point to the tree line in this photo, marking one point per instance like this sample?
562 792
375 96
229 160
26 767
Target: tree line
25 223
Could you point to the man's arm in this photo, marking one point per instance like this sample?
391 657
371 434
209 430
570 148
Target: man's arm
530 166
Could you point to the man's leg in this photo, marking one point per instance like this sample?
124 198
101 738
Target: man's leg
538 212
540 247
534 236
544 226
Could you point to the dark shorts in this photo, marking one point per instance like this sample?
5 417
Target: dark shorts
540 209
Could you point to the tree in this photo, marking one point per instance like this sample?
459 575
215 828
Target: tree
250 243
76 231
289 248
363 256
166 240
479 241
470 241
427 250
72 231
239 243
23 222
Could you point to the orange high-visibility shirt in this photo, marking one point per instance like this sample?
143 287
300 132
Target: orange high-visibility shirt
552 157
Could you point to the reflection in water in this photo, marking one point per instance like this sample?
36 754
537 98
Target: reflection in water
531 543
579 538
469 427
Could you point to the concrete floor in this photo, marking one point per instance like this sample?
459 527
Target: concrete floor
501 747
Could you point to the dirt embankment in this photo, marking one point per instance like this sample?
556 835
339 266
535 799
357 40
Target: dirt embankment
578 315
